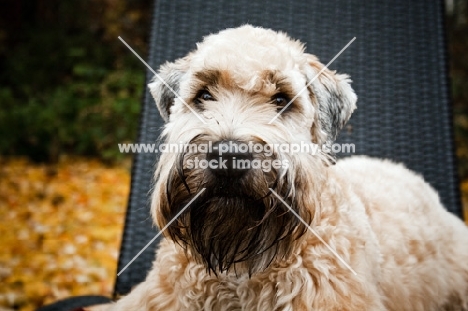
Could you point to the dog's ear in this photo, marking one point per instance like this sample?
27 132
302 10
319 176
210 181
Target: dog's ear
163 92
335 98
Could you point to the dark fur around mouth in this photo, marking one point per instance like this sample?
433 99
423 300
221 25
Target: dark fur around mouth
234 223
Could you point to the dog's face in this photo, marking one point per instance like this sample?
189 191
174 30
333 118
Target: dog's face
237 81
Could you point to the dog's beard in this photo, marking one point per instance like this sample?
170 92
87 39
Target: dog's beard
236 223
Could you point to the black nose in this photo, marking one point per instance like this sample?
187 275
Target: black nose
229 158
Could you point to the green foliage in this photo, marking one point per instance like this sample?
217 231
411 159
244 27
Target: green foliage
69 87
457 26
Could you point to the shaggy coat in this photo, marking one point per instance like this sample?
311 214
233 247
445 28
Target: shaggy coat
238 247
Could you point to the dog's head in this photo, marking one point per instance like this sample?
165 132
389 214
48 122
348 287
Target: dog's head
231 89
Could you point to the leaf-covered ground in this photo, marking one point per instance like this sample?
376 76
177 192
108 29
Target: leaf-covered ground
60 230
464 189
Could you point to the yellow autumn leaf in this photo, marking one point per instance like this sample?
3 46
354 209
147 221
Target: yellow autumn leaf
60 229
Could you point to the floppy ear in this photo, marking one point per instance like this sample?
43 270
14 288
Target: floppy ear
335 98
171 74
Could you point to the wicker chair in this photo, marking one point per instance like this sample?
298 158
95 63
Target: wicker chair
398 65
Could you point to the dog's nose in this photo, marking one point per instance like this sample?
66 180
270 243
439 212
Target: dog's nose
229 158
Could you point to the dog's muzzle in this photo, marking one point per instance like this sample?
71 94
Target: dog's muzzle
228 164
236 223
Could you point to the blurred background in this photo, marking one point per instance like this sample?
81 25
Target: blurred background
70 91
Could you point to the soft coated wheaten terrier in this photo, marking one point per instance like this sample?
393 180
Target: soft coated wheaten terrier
377 236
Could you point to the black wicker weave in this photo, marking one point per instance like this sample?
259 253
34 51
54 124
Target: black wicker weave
397 63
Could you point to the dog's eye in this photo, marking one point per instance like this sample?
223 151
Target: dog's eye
280 99
203 95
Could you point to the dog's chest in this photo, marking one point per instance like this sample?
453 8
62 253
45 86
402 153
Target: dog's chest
281 289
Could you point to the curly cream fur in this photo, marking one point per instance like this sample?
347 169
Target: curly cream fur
408 252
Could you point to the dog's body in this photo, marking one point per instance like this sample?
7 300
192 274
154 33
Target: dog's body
239 246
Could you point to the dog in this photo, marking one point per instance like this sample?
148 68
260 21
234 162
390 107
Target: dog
303 232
